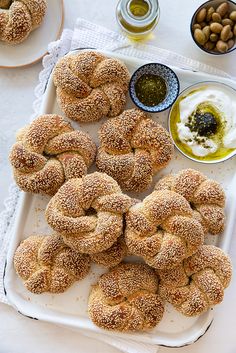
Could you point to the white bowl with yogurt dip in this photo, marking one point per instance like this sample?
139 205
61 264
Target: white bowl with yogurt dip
202 122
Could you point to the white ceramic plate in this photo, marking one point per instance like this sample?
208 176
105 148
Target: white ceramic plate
70 308
35 46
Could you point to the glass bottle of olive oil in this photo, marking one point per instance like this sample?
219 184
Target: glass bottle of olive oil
137 18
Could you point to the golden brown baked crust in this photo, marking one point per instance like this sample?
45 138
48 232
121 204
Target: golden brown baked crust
48 152
205 195
126 299
116 253
90 86
19 18
133 148
162 229
199 282
88 212
46 264
112 256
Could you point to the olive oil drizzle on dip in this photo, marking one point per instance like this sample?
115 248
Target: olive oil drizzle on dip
150 89
207 121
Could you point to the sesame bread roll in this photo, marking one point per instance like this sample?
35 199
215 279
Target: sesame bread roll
19 18
90 86
133 148
48 152
88 212
163 230
198 283
46 264
126 299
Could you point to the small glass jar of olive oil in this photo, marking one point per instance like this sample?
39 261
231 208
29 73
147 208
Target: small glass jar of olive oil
137 18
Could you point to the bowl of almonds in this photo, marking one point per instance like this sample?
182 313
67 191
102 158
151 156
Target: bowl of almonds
213 27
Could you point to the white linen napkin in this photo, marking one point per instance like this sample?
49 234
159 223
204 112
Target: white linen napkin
89 35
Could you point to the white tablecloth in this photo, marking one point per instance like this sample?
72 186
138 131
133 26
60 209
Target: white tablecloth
18 334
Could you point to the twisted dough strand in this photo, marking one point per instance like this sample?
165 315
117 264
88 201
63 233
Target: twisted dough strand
206 196
112 256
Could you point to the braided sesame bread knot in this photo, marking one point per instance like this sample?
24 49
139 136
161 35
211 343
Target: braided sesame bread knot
198 283
46 264
206 197
20 17
48 152
162 229
88 212
133 148
126 299
90 86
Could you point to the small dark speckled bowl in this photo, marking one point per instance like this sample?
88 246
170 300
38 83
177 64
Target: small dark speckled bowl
170 78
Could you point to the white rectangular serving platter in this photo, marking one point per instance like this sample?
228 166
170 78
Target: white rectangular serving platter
70 308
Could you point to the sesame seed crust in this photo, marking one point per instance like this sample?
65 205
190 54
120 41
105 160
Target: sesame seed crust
48 152
133 148
46 264
19 18
206 197
90 86
126 299
112 256
88 212
163 230
198 283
